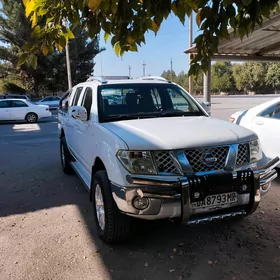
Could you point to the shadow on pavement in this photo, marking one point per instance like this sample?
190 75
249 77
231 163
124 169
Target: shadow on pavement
31 180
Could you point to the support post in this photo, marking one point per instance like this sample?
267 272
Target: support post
190 44
68 66
207 85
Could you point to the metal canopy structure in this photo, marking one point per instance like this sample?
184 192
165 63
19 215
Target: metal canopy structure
262 45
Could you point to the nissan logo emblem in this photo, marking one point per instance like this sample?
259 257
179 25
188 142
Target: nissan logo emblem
209 159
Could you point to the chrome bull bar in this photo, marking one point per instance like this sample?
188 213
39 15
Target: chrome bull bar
266 174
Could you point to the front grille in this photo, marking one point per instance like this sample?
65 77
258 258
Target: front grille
243 155
198 157
164 162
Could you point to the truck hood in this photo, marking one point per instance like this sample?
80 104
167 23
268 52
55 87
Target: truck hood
178 133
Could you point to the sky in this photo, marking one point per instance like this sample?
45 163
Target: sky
170 42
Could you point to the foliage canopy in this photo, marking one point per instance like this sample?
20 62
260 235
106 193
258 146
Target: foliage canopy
128 21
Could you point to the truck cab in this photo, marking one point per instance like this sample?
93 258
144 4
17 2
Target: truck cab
145 148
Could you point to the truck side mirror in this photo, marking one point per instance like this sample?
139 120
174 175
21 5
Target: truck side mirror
206 106
79 113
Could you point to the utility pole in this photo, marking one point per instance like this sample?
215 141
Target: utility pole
68 63
171 69
190 44
129 71
144 68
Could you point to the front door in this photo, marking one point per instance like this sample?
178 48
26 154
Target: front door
18 110
72 124
85 132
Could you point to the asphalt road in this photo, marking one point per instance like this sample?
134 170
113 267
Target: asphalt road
46 229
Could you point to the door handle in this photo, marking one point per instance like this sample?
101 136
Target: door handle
259 122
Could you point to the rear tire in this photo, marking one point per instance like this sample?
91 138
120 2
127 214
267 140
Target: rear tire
31 117
113 227
65 157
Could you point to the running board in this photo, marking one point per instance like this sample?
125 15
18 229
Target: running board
81 173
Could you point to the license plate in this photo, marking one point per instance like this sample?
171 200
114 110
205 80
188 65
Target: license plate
216 200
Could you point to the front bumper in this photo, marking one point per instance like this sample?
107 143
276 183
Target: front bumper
174 198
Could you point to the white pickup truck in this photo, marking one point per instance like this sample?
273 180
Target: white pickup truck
145 148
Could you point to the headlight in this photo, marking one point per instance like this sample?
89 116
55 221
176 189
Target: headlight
255 151
137 162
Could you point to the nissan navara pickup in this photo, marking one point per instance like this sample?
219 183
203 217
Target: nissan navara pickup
145 148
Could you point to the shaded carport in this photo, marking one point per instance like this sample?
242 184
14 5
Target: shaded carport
262 45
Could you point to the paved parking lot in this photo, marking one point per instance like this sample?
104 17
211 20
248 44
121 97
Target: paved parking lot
46 229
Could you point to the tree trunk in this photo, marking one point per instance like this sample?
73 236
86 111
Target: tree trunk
35 87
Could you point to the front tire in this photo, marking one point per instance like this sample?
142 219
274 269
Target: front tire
112 226
31 117
65 157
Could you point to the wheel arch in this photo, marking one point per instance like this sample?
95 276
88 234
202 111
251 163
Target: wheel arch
97 166
31 113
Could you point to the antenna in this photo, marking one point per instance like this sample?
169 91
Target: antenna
144 68
171 69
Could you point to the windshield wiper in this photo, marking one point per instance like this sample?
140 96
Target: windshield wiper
129 117
177 114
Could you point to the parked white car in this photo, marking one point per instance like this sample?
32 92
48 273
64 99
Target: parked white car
21 109
51 101
264 120
155 153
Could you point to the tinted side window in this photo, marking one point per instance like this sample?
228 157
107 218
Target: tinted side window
268 112
87 101
18 103
77 96
272 112
276 113
4 104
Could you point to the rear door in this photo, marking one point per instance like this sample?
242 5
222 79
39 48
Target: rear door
5 110
267 127
18 110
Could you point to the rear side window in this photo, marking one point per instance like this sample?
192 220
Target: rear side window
77 96
5 104
87 101
18 103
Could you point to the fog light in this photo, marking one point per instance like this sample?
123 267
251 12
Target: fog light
266 186
244 188
196 195
140 203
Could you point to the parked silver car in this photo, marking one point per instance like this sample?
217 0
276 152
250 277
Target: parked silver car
51 101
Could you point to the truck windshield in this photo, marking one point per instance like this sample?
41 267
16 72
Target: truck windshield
133 101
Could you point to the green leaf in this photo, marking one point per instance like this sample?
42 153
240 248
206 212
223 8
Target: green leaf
36 31
241 32
29 7
70 34
154 27
117 48
45 50
106 37
226 3
22 59
33 61
230 11
94 4
106 26
198 18
27 47
246 2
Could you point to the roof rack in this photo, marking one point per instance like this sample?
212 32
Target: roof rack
104 79
158 78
